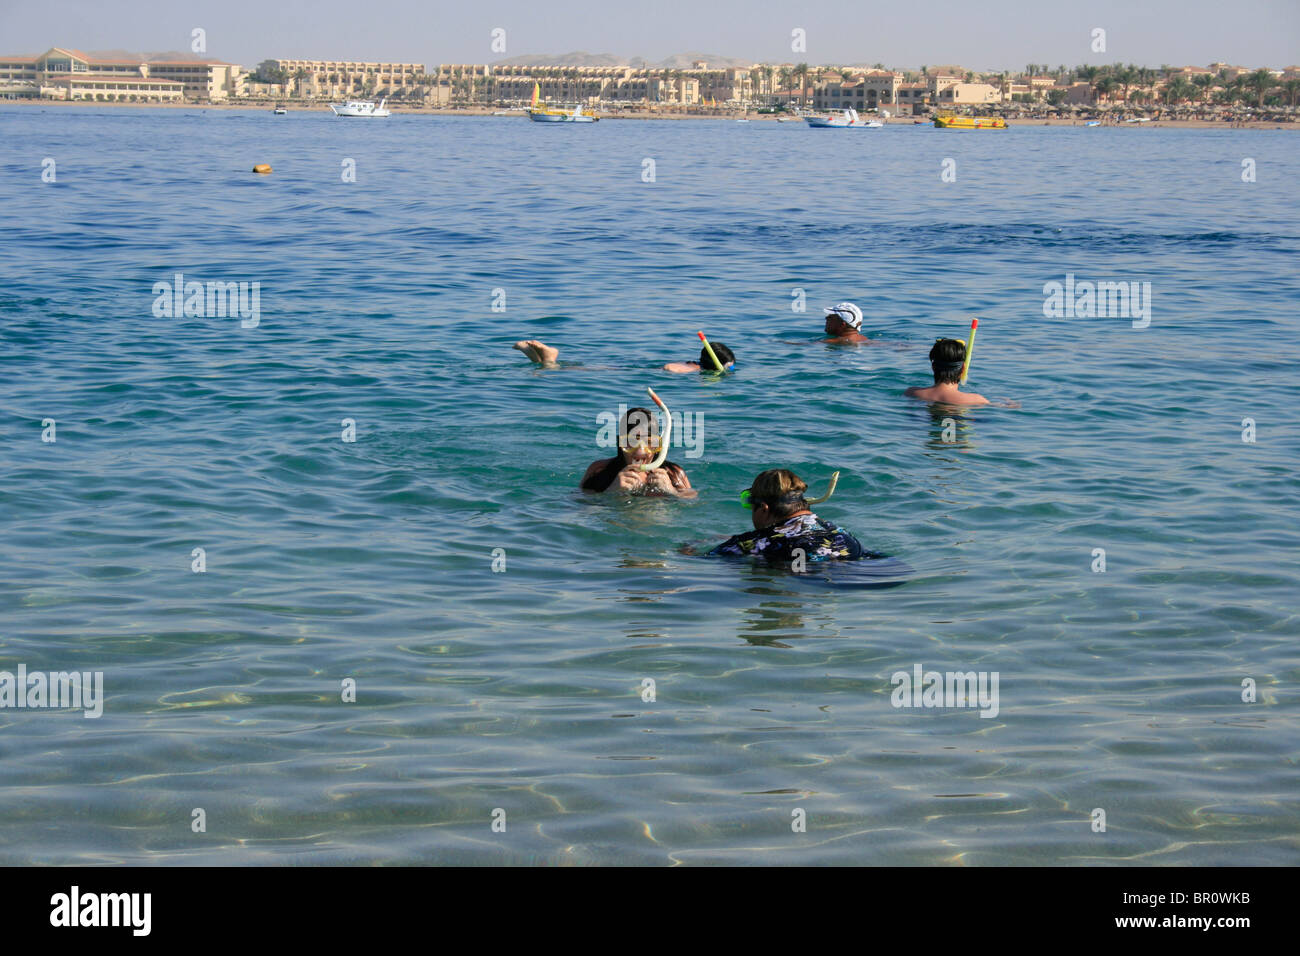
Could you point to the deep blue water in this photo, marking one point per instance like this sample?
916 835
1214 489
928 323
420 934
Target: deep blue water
521 690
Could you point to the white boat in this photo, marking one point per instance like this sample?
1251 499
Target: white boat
360 108
280 111
842 119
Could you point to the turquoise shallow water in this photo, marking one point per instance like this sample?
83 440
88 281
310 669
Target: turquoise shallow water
521 690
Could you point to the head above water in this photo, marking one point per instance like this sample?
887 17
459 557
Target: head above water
638 435
842 318
776 495
724 354
947 357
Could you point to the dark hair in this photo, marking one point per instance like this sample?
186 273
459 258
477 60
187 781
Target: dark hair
781 490
721 351
637 423
946 360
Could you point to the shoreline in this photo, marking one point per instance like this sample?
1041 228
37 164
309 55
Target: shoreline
730 117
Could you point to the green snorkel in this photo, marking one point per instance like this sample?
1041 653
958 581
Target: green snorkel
970 350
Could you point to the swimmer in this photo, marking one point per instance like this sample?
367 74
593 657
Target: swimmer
947 358
705 364
539 352
547 357
783 522
638 444
843 322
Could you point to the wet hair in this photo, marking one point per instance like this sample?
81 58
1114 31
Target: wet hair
946 360
781 490
723 353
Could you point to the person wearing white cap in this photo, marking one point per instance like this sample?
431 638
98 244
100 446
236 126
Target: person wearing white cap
843 324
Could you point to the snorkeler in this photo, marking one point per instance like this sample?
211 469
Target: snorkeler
784 523
639 443
546 356
947 358
843 325
705 364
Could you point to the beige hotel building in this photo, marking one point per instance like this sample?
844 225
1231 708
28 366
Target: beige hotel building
346 78
73 75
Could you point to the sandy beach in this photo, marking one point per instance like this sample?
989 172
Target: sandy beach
638 114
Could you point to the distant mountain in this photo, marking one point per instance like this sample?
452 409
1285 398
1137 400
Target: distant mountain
679 61
683 61
171 56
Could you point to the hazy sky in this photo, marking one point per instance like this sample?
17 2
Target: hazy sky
978 34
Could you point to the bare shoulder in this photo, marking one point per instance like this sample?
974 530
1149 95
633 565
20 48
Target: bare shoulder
592 470
681 368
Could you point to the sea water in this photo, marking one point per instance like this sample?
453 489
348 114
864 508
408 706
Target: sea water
349 606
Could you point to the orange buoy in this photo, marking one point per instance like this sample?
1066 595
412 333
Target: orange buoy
261 168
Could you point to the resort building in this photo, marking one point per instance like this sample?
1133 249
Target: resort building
967 94
147 78
866 91
614 85
343 78
913 96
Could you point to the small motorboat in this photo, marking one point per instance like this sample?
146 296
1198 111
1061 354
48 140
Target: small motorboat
842 119
361 108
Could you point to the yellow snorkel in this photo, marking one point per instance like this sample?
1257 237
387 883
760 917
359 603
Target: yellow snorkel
830 490
709 348
970 347
668 433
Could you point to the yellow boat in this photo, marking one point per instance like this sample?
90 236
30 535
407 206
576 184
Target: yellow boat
539 113
969 122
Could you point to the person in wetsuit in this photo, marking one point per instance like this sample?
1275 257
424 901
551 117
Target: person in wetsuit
783 522
638 443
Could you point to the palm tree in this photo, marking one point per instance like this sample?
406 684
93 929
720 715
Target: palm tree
1204 82
1261 81
1177 90
1291 89
1102 87
802 72
1126 77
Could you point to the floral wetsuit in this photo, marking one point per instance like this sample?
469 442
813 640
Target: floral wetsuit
819 539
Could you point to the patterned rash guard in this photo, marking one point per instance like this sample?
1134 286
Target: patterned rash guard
820 540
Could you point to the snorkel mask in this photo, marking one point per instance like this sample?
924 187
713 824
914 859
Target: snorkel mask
747 502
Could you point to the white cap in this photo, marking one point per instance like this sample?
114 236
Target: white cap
848 312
